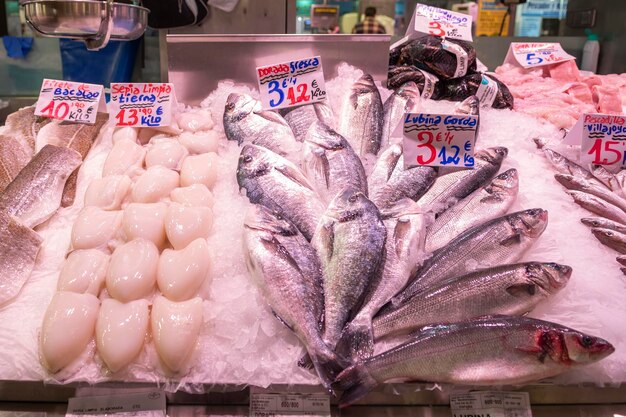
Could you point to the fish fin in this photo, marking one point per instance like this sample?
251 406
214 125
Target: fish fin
280 319
272 117
357 340
400 232
274 246
522 290
355 382
328 365
321 167
294 175
326 234
512 240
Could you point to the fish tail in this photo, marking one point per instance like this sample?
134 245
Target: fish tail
357 339
355 382
328 365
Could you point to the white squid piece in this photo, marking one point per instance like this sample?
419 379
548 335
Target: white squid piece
184 224
67 328
125 133
168 153
195 120
83 272
181 273
132 270
199 169
175 329
95 228
193 195
108 192
146 220
126 157
121 331
155 183
200 142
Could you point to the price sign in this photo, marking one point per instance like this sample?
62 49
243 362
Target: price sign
491 403
291 83
142 104
70 101
602 139
443 23
264 404
439 140
536 54
149 403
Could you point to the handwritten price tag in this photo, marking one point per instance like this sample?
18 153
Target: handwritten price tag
491 403
439 140
142 105
291 83
603 139
530 55
443 23
264 404
71 101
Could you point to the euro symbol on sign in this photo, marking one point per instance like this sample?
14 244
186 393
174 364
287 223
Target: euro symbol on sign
468 146
314 84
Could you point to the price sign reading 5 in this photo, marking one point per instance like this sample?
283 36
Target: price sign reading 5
291 83
533 59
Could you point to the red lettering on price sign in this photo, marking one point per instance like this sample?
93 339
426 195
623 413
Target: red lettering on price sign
603 139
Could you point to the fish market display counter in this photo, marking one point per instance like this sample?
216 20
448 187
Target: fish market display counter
234 341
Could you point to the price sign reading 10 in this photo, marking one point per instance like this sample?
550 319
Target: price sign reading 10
291 83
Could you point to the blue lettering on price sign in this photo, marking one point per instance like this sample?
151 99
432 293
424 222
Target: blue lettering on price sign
439 140
291 83
142 104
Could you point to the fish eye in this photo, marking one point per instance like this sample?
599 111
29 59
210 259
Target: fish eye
587 341
247 159
230 106
352 198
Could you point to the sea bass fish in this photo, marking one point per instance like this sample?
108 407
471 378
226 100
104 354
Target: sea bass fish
276 183
362 117
246 121
404 253
390 182
287 270
601 222
331 163
505 289
19 246
450 188
349 240
580 184
501 240
35 194
598 206
489 351
404 100
481 206
611 238
301 118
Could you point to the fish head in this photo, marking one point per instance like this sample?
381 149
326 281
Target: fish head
470 106
254 161
530 223
348 204
506 182
593 221
262 218
569 346
554 157
320 135
571 182
494 155
604 235
364 85
238 106
550 276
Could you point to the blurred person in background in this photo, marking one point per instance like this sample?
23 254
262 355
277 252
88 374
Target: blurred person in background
369 24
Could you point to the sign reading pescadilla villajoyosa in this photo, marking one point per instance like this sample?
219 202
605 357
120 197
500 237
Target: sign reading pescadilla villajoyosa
602 139
70 101
439 140
142 104
536 54
291 83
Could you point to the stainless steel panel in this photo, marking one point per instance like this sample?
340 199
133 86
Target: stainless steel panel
197 62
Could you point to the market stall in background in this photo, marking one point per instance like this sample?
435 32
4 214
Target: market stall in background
254 208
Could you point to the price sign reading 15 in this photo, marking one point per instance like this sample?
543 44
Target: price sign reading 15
603 139
291 83
439 140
